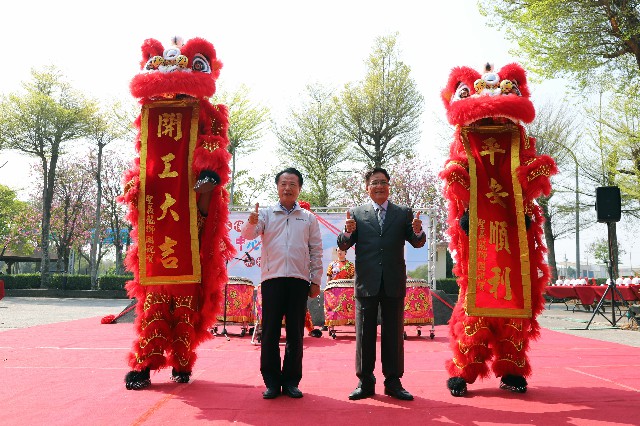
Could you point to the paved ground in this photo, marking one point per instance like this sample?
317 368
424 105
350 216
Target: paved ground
20 312
558 318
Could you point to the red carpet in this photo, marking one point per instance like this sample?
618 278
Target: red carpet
72 373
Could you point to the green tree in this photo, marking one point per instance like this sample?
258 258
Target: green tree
311 142
105 127
577 37
246 126
599 249
413 183
17 228
115 212
605 159
250 187
556 131
381 114
621 125
72 207
39 123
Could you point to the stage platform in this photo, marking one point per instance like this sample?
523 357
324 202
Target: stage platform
71 373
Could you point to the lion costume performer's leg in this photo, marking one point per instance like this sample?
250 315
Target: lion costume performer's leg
470 343
153 328
510 347
166 324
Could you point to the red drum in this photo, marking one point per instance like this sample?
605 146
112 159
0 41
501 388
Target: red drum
239 301
418 306
339 303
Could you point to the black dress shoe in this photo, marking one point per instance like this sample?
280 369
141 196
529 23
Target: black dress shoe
291 391
271 393
361 393
398 393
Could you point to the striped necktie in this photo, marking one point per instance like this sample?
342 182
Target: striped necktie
380 215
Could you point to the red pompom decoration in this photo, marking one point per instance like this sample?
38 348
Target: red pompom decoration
305 205
108 319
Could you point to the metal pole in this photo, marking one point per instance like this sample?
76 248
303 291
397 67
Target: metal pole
577 221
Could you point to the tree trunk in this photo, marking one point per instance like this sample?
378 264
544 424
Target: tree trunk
48 172
233 177
551 251
93 262
119 260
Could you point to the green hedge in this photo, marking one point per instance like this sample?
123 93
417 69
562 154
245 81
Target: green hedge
70 282
21 281
113 282
448 285
65 282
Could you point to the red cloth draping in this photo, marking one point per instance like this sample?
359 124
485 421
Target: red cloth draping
563 292
626 291
588 294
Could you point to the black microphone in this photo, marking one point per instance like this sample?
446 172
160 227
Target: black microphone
249 261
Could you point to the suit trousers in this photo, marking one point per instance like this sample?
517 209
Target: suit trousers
392 338
286 298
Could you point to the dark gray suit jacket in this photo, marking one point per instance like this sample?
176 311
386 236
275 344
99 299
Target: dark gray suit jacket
380 253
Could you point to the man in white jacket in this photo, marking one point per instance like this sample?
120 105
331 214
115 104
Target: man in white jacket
291 270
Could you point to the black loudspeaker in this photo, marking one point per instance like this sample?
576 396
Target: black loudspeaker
608 204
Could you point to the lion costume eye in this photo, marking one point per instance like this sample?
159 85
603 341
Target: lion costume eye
200 64
462 92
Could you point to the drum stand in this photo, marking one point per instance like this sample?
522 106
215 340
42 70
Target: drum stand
247 259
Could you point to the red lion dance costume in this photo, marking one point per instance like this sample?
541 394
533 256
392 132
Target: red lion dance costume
177 207
492 178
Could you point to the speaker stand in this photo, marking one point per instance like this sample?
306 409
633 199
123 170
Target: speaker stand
611 287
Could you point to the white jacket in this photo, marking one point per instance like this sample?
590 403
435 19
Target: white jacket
291 243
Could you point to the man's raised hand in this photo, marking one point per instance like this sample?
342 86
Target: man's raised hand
349 224
253 216
417 224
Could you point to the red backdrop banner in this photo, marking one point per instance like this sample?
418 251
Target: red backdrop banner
167 228
499 267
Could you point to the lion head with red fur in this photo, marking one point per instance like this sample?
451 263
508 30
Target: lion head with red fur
183 69
492 97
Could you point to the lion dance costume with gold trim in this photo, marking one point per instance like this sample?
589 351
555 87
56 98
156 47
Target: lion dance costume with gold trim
492 178
177 207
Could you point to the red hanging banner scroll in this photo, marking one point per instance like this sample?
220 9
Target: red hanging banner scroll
499 267
167 223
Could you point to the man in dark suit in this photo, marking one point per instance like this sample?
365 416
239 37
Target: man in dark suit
379 230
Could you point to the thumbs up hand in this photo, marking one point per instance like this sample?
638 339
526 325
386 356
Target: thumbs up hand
253 216
349 224
417 224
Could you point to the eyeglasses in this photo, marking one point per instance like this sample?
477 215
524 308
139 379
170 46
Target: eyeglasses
379 183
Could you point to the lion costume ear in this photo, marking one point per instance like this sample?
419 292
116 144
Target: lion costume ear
150 48
201 46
